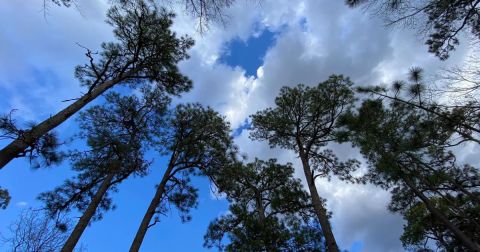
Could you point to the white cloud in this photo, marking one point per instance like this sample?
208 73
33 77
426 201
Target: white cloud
21 204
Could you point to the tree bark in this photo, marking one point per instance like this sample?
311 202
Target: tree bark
87 215
19 145
458 233
147 218
261 217
320 211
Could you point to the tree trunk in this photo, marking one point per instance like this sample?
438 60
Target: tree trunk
19 145
458 233
261 218
147 218
320 211
87 215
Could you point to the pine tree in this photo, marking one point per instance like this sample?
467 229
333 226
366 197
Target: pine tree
406 152
197 141
117 134
304 120
4 198
269 211
442 21
146 51
461 119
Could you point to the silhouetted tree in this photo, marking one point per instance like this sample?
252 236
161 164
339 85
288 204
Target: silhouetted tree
442 21
35 231
304 120
41 153
4 198
463 81
406 152
198 142
461 119
269 211
146 52
118 134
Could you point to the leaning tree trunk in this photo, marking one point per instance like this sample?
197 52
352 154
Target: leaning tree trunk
19 145
87 215
467 241
320 211
147 218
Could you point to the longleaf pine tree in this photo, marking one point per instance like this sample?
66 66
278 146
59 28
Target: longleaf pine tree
406 153
269 211
118 134
197 141
442 22
304 120
146 51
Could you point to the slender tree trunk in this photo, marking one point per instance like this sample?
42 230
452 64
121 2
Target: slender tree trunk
320 211
261 217
19 145
441 217
147 218
87 215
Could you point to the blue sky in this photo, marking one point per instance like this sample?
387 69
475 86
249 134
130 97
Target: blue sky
237 68
119 226
135 194
248 54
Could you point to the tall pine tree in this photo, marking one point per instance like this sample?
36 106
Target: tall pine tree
197 141
304 121
407 151
146 51
117 134
269 211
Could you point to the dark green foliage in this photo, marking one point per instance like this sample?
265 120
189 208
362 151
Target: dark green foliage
422 226
198 141
269 211
146 51
117 134
406 152
4 198
443 21
43 152
305 118
463 120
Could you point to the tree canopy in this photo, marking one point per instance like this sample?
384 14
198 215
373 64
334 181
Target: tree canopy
197 141
304 121
406 153
117 134
442 21
146 51
269 211
34 230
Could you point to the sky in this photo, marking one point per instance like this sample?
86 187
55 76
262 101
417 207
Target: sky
237 68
